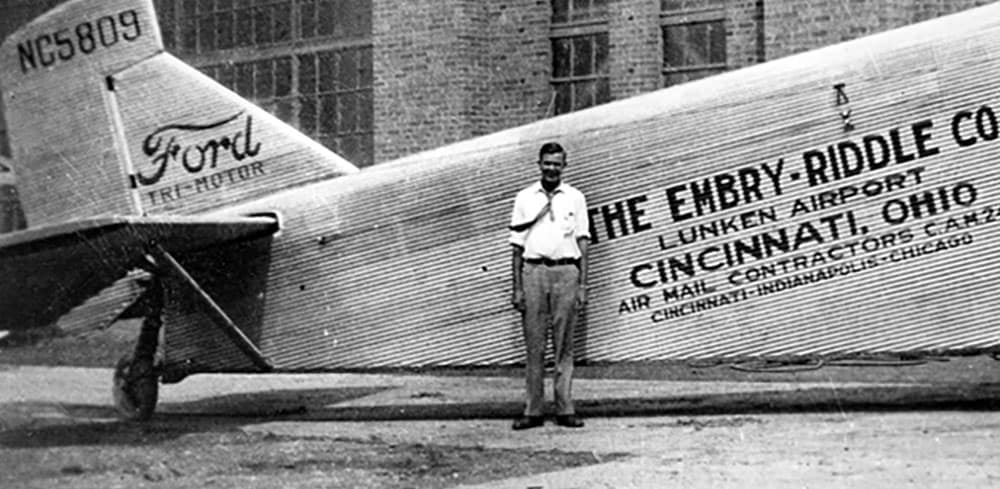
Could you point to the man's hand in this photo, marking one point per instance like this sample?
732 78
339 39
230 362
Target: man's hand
581 297
517 300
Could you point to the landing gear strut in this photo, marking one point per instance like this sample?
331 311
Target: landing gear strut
136 381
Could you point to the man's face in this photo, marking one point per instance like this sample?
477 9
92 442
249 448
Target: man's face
552 166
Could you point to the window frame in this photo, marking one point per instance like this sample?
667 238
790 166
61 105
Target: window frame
214 62
685 18
593 15
572 29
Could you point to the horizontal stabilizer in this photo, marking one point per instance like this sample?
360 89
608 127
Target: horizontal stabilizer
45 272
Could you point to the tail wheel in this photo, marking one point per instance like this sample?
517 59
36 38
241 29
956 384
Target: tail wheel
135 388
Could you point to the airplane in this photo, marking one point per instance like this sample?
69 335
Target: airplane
833 204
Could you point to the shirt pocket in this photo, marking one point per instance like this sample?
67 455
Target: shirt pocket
567 223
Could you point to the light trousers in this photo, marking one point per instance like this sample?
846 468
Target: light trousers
550 304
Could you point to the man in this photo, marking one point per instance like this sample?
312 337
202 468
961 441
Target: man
550 234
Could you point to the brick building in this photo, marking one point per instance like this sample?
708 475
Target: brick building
377 79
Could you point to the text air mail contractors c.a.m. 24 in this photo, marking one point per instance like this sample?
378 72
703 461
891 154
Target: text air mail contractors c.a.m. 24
839 202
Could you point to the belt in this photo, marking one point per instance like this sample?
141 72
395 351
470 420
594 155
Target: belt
552 263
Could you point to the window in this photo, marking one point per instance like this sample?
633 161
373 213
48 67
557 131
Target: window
694 46
313 68
332 102
334 18
573 11
580 74
580 71
201 26
336 100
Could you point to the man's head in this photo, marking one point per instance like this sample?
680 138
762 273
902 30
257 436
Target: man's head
551 161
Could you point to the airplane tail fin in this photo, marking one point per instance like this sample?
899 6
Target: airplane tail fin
104 122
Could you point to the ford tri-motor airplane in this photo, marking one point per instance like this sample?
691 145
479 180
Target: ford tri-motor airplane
840 202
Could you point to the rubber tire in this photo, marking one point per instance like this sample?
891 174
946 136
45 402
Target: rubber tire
135 389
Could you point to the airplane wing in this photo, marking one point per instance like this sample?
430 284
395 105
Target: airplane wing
45 272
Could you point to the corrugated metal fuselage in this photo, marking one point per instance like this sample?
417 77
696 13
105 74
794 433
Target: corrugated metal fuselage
746 215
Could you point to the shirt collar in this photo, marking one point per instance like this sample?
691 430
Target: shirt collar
538 187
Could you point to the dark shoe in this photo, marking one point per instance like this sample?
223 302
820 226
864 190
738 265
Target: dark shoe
528 422
569 421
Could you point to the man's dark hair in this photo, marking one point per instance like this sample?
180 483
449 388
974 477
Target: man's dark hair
550 148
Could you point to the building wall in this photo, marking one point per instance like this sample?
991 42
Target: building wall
446 70
422 72
802 25
636 47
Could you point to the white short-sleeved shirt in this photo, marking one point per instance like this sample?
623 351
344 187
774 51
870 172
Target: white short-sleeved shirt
554 235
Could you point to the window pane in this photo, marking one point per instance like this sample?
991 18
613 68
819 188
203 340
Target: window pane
328 114
282 76
205 6
718 42
599 7
348 78
580 10
583 56
244 27
206 33
282 13
307 114
326 17
209 71
347 111
224 32
673 46
262 25
363 21
584 94
189 35
564 98
244 80
601 54
696 47
349 147
307 74
330 142
603 91
365 68
349 14
224 75
560 11
283 110
328 71
561 49
189 8
165 14
223 5
367 155
365 111
307 18
264 79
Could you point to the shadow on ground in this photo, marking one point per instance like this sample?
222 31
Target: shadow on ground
227 413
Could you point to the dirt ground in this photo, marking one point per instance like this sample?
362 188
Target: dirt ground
202 453
929 425
91 449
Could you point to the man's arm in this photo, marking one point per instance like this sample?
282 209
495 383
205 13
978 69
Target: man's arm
517 266
583 243
581 296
